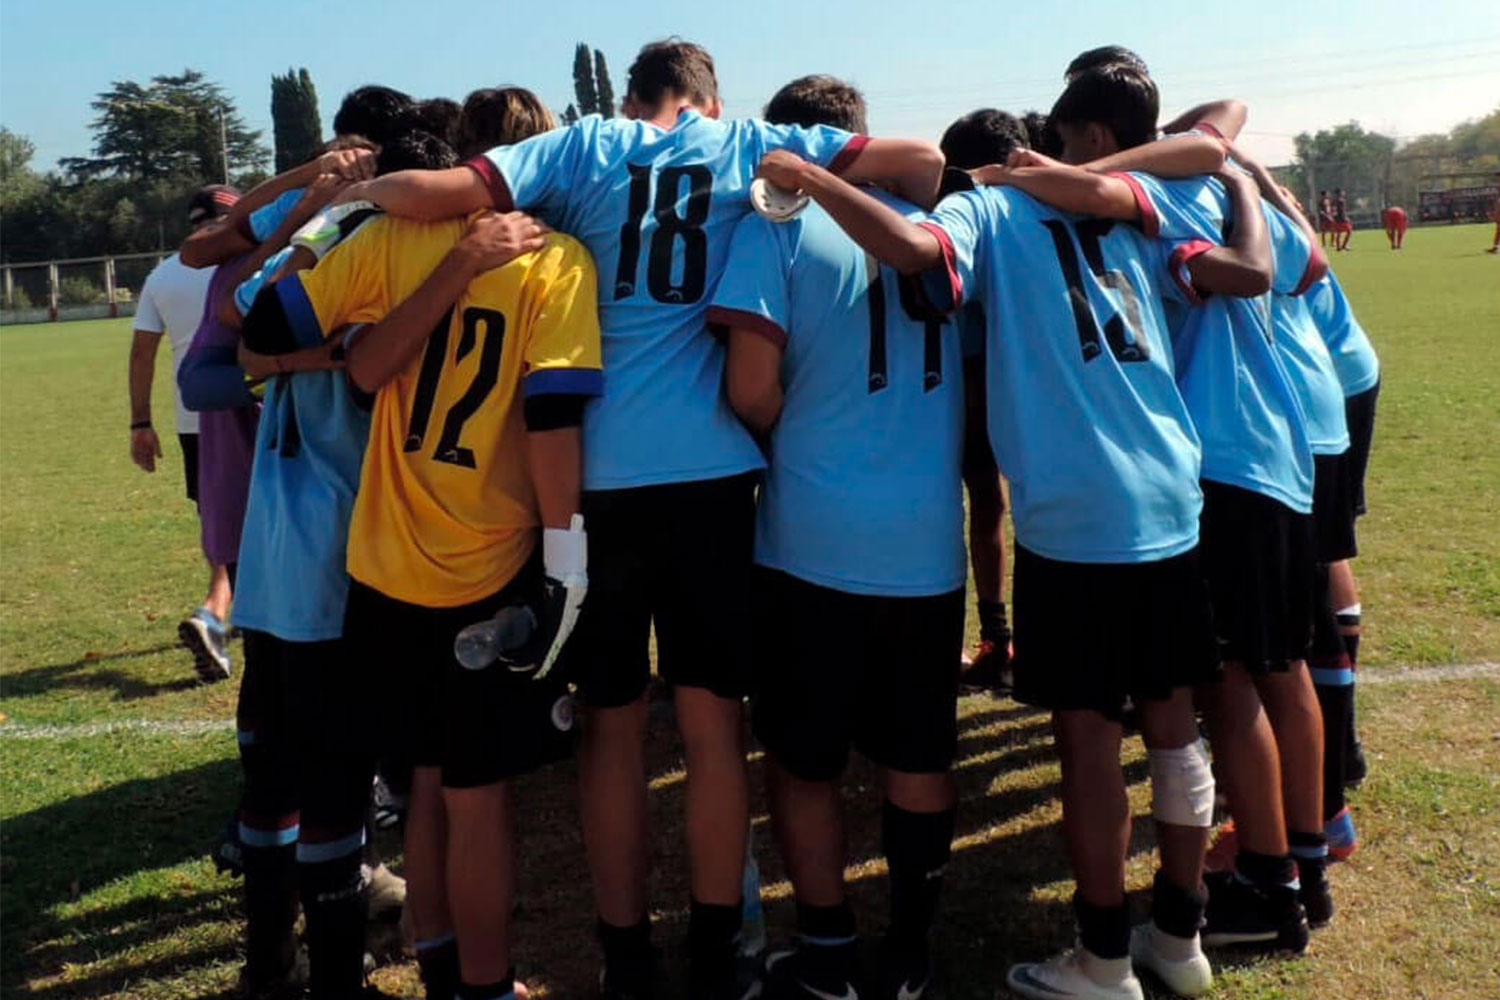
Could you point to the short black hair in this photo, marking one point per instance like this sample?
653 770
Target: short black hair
437 116
375 112
415 149
818 99
672 66
982 137
500 116
1042 133
1122 99
1105 55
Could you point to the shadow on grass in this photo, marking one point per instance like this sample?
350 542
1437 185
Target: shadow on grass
87 674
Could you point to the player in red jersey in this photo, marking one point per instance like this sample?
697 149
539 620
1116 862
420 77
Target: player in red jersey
1495 214
1393 217
1343 228
1325 218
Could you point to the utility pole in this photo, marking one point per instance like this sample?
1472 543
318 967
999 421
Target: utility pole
224 145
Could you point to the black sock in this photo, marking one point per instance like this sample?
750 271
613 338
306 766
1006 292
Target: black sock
712 939
826 925
627 953
1310 852
334 902
437 961
917 849
1103 930
1337 702
828 945
489 991
1265 871
1176 910
992 621
270 913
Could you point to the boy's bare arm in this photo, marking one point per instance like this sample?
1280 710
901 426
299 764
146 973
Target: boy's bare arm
1225 116
1243 267
1172 156
429 195
913 168
752 378
1072 189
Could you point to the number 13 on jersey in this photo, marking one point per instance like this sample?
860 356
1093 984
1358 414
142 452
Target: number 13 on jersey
666 281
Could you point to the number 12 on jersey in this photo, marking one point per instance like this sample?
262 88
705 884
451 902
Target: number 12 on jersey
672 230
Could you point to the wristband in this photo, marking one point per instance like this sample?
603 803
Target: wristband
141 425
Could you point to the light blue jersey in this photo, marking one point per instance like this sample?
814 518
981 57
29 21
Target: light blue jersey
264 220
1232 379
244 295
863 492
1310 366
656 208
1354 359
1084 413
292 580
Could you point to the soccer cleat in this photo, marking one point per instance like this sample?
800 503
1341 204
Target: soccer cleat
1317 897
812 972
903 974
388 807
228 853
987 669
742 981
1177 962
1222 852
1242 914
1075 975
206 638
1339 832
630 981
1357 768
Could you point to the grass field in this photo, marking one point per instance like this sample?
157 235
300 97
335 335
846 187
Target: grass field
118 767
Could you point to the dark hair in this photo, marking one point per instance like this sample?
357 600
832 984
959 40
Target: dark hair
1105 55
415 150
1122 99
1042 134
981 137
372 111
672 66
437 116
818 99
500 116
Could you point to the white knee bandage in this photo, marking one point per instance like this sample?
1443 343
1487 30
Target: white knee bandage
1182 785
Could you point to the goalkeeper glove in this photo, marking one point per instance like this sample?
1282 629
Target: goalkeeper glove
565 567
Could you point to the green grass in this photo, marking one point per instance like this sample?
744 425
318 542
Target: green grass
106 890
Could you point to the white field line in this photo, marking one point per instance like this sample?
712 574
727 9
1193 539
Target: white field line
197 727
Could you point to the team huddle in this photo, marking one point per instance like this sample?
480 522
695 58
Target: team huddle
485 404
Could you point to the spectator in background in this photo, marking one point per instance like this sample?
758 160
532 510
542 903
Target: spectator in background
171 302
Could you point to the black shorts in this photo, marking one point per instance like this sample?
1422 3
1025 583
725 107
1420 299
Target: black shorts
1359 412
677 554
835 670
1090 636
1257 556
189 443
1333 508
477 726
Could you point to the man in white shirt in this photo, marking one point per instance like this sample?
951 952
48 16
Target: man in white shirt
171 302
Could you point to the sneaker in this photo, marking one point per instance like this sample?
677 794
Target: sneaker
228 853
987 669
1076 975
742 981
204 635
388 807
1240 913
1357 768
1177 962
812 973
1316 896
1222 852
903 974
1339 832
632 981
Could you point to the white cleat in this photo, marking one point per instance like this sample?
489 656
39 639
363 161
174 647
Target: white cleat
1075 975
1177 962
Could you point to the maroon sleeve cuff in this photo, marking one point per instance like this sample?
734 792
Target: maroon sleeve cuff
1317 266
1149 222
1178 265
848 154
1208 127
499 190
722 319
950 264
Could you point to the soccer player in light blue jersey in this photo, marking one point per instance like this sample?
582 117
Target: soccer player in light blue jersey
669 473
859 584
1103 461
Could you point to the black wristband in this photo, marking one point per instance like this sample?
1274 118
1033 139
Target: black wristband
141 425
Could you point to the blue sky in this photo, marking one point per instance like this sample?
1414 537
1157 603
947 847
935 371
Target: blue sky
1398 67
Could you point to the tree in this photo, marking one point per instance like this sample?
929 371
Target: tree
603 87
168 129
294 118
583 81
17 180
570 115
1347 157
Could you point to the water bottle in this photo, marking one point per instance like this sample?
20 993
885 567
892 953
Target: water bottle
479 645
752 916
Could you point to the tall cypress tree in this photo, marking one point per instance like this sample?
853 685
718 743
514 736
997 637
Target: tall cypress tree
294 117
583 81
603 87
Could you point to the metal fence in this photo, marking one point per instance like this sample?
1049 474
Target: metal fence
80 288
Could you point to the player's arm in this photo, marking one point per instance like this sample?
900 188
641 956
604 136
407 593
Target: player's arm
1225 117
752 378
210 378
1282 200
1072 189
388 347
1243 267
881 230
1185 155
217 242
426 194
145 446
913 168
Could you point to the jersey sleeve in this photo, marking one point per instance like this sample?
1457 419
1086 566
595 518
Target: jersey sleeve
824 145
1178 210
147 316
264 220
1297 263
560 323
535 174
958 225
348 286
753 294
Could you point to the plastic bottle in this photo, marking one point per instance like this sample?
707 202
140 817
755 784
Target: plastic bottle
479 645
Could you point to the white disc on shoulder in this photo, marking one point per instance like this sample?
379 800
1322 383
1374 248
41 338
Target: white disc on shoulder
776 203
